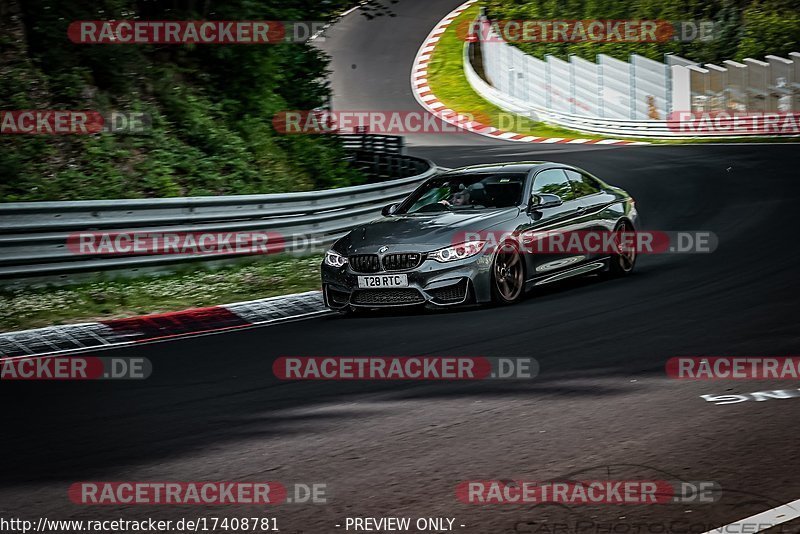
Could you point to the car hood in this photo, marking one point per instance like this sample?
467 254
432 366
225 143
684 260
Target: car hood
419 232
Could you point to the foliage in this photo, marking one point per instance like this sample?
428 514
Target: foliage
211 105
742 28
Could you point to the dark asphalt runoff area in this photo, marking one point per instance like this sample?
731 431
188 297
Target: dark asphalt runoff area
601 407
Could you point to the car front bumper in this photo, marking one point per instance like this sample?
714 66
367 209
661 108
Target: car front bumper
433 284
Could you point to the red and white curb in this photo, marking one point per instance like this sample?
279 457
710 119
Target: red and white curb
424 95
116 332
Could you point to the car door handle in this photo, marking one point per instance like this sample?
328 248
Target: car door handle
580 210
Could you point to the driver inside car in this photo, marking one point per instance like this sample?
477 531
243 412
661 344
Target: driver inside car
460 196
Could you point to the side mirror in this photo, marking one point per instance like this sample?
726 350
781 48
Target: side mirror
545 200
388 210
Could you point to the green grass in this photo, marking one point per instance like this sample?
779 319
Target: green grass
26 307
448 82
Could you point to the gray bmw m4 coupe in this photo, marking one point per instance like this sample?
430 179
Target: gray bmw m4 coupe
464 237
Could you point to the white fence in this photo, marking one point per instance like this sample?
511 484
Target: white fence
609 88
752 86
634 97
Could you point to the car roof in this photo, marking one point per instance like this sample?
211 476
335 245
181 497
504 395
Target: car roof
514 166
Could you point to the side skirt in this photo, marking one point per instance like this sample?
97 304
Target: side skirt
569 273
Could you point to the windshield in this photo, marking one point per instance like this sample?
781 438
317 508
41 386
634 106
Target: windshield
466 192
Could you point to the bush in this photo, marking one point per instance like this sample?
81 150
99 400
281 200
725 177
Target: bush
211 105
747 28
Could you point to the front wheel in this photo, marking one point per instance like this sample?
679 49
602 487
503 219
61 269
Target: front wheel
624 260
508 275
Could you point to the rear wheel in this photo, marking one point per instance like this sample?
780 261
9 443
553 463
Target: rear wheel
624 260
508 274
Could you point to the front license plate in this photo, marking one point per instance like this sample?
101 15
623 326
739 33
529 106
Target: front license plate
383 280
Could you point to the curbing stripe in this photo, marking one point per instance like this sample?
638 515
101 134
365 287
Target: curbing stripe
259 311
430 103
116 332
27 343
156 326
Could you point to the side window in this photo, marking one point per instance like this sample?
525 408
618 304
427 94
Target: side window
583 184
554 182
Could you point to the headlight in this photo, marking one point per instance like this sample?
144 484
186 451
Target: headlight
458 252
334 259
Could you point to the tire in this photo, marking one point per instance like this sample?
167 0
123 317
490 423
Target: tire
508 275
622 263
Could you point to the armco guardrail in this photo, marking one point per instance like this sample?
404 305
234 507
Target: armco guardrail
372 144
379 157
33 235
